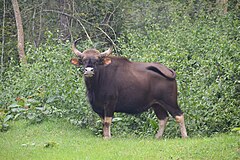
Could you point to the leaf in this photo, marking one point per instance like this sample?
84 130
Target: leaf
4 127
53 99
33 101
7 118
40 108
14 105
153 123
31 116
18 109
16 116
46 112
117 119
21 102
236 129
27 105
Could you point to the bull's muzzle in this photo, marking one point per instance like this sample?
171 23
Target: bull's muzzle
88 72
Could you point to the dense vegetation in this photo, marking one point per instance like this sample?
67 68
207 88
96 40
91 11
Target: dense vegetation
203 49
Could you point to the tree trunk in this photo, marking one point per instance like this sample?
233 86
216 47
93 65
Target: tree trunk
20 32
223 5
3 37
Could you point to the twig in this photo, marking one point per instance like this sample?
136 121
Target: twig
33 25
78 20
81 19
107 36
113 11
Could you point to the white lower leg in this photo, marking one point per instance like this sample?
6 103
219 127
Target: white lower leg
162 124
106 127
180 120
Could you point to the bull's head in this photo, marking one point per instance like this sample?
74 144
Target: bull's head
90 59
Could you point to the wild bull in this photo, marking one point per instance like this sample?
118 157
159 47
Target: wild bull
115 84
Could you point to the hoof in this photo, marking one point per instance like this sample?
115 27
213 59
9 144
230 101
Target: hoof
107 137
158 136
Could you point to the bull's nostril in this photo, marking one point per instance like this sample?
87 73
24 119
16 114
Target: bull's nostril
89 70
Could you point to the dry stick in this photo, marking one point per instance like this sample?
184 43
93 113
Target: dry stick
107 36
80 19
114 11
107 25
33 25
115 36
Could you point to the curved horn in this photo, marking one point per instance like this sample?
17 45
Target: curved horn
107 52
75 50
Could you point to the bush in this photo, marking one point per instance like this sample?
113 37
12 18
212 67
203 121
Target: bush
49 80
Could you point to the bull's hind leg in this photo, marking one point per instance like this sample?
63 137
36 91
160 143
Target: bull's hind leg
162 116
180 120
177 113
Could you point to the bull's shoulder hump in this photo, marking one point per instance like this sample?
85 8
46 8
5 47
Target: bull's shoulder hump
119 58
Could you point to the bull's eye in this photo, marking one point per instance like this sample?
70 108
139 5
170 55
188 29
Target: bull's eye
100 62
80 61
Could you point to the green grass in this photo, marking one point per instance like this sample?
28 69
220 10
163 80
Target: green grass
55 139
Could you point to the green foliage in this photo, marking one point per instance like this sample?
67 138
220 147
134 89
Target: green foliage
237 129
47 86
4 118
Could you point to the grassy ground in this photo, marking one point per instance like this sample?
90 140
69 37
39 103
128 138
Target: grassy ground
60 140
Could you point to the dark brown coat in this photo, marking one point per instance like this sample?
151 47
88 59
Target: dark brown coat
115 84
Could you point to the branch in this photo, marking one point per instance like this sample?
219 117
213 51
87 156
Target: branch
115 8
33 25
78 20
114 45
81 19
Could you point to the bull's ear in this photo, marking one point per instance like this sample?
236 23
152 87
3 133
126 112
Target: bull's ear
75 62
107 61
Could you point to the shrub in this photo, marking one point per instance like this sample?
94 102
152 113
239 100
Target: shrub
51 81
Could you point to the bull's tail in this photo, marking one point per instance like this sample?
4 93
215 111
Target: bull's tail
162 70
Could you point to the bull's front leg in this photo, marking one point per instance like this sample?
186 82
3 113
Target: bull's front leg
106 127
108 114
